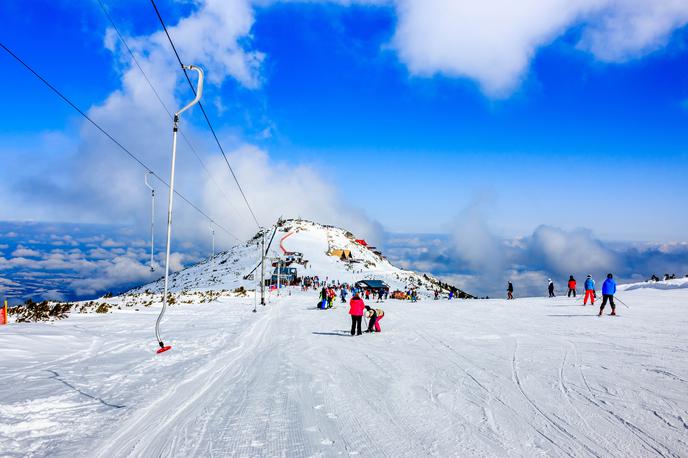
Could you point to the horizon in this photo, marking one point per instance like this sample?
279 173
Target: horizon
68 261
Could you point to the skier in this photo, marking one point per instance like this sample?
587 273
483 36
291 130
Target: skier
589 290
451 295
550 287
356 306
437 294
608 291
510 290
374 315
330 297
323 298
343 295
572 286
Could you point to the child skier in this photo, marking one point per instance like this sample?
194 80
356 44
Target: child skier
589 290
608 291
330 297
374 315
550 287
356 307
510 291
572 286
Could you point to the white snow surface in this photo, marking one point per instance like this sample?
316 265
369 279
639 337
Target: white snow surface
228 269
528 377
662 284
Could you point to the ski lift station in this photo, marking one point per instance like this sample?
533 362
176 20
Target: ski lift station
373 285
287 275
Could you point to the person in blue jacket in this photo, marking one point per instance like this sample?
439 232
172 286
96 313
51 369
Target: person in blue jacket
608 291
589 290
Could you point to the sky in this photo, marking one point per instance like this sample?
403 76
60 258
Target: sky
485 121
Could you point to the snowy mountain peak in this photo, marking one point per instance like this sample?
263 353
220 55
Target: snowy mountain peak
304 249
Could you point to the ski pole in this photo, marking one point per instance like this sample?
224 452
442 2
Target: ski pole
617 298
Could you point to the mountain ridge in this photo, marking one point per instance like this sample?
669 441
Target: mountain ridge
315 250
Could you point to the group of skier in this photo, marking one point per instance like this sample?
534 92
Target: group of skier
608 291
357 308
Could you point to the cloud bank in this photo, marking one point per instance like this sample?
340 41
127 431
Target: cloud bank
549 252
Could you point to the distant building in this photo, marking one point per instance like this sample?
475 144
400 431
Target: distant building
340 253
374 285
287 275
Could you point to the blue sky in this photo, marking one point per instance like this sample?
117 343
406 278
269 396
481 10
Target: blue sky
394 115
333 94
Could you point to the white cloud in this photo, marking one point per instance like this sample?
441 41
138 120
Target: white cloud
566 252
176 261
474 242
278 189
493 41
109 243
26 252
112 274
626 29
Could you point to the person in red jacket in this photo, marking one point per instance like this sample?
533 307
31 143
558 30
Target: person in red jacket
356 307
572 286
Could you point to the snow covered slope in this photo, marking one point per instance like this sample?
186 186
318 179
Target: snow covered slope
662 284
529 377
319 245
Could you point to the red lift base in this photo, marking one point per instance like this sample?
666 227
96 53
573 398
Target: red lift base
164 349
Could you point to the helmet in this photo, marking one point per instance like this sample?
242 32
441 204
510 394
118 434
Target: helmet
610 275
589 276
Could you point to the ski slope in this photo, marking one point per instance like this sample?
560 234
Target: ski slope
529 377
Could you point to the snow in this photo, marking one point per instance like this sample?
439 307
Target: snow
528 377
662 284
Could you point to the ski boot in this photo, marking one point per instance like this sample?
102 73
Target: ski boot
600 314
613 313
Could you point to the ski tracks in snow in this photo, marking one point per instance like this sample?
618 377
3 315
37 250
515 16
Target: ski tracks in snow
646 440
151 431
562 430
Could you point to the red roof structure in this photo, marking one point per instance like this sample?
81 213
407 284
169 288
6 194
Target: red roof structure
361 242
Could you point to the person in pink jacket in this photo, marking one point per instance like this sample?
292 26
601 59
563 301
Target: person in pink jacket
356 307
